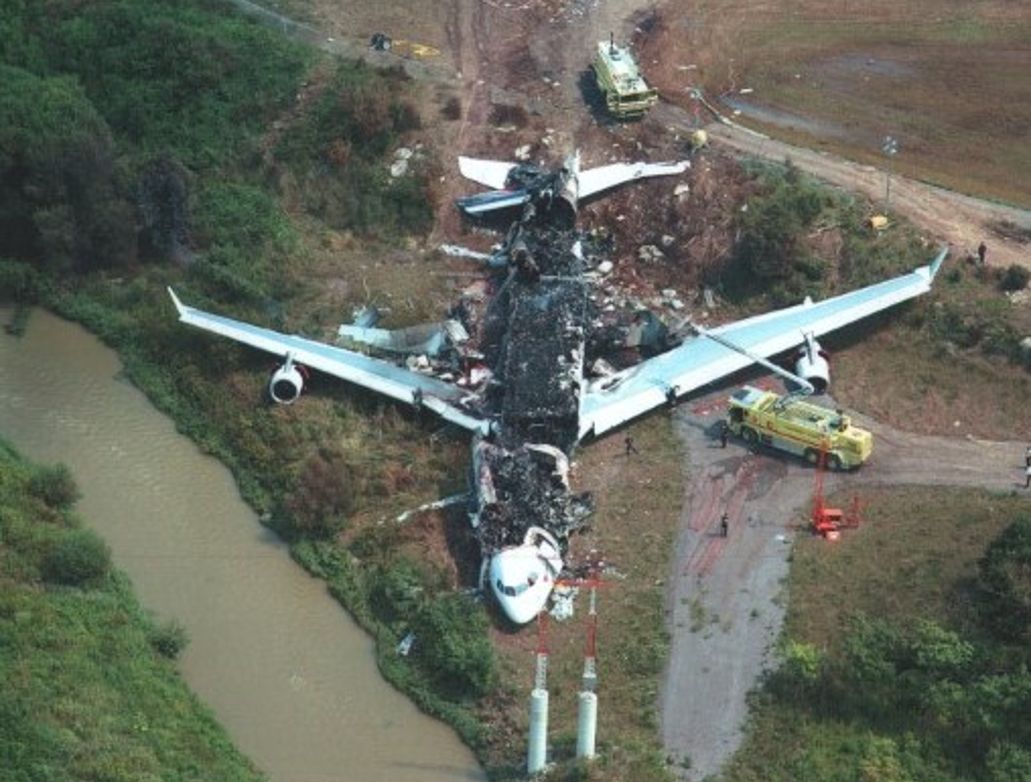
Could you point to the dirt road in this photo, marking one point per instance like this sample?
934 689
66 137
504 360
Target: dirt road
961 220
725 595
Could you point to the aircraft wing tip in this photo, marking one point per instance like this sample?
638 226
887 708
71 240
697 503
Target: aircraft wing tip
936 264
175 300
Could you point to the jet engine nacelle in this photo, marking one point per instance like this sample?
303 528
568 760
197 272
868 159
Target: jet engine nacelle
286 383
566 203
813 365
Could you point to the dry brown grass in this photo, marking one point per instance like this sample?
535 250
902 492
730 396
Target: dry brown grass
947 79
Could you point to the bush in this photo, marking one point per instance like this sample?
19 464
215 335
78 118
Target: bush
1005 579
324 495
169 639
1015 278
452 645
80 558
55 486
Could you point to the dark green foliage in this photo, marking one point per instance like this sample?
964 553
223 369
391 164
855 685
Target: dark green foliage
770 254
80 558
1005 578
60 199
55 486
397 591
452 645
176 76
168 639
1007 762
1015 278
162 196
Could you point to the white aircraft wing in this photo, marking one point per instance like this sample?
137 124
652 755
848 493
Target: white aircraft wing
611 401
491 173
381 376
594 180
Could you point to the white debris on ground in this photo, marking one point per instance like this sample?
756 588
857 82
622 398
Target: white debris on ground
562 602
649 253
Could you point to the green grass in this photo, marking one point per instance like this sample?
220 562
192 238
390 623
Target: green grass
86 695
913 560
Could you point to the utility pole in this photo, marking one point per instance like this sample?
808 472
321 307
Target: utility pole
890 147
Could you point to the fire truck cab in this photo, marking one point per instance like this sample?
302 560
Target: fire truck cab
791 424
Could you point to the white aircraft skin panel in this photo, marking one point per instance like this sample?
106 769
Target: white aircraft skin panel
699 360
362 370
595 180
490 173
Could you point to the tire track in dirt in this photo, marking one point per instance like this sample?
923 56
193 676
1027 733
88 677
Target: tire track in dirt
725 601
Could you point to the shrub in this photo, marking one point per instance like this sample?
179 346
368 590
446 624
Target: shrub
1005 579
452 644
1015 278
324 495
80 558
169 639
452 109
55 486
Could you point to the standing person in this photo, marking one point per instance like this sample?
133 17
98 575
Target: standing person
724 433
1027 456
1027 476
725 523
630 448
982 251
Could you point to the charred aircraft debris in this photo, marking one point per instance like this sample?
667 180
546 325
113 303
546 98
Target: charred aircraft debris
538 366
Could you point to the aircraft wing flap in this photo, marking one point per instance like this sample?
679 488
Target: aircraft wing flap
491 173
612 401
380 376
594 180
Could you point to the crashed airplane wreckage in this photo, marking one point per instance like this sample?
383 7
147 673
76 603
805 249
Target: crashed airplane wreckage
521 387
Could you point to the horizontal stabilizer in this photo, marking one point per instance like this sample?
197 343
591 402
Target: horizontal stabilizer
594 180
490 173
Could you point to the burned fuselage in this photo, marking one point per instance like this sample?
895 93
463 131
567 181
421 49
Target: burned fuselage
533 338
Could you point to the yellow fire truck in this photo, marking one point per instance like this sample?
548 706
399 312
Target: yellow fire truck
790 424
626 93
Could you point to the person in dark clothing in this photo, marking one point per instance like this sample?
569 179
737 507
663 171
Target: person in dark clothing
982 250
1027 456
630 448
724 525
724 434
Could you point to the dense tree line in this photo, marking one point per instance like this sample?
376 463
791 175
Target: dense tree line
944 703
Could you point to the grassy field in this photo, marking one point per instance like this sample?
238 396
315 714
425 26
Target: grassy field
86 693
947 79
951 357
846 708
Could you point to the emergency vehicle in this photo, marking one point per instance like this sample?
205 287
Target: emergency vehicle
627 95
789 423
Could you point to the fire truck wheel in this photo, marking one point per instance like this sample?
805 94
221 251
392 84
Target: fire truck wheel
750 437
810 456
834 463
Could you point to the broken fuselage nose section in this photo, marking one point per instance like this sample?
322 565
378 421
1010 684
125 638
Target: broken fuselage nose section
522 577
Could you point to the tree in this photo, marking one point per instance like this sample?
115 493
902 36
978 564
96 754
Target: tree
59 203
1005 579
452 643
80 558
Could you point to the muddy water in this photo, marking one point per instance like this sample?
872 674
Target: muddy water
281 664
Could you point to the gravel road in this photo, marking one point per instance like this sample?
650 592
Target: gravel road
726 596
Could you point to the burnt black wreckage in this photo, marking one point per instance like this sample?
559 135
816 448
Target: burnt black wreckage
523 392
